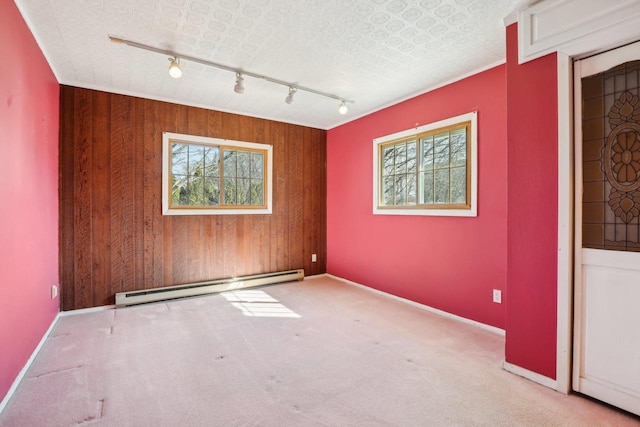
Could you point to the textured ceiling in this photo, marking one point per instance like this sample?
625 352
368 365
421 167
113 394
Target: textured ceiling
375 52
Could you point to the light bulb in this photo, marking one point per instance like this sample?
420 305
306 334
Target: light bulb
239 87
342 109
174 69
289 98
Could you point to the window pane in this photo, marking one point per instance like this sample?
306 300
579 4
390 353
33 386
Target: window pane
212 191
427 153
179 154
401 189
230 191
257 192
411 189
242 192
211 161
388 153
411 156
179 195
388 191
196 160
243 164
427 187
257 165
442 186
229 165
401 158
459 185
459 147
196 191
441 150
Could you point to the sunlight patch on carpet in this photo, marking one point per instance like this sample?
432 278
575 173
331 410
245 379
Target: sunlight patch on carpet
257 303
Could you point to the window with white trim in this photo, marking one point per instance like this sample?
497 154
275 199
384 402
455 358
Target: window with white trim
210 176
429 170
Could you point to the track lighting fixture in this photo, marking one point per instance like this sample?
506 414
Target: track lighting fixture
289 98
174 68
239 87
175 71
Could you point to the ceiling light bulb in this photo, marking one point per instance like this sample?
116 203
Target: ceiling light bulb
289 98
342 109
239 87
174 69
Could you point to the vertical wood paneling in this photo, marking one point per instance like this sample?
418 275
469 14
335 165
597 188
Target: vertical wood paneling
67 204
320 199
82 207
101 237
307 207
279 236
113 236
295 196
318 220
135 135
122 195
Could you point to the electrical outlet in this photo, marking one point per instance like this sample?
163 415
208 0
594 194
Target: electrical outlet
314 258
497 296
54 291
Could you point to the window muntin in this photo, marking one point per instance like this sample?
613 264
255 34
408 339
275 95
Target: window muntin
213 176
430 170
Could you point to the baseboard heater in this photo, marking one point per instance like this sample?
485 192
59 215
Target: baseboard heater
124 299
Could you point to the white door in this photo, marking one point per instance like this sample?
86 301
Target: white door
607 258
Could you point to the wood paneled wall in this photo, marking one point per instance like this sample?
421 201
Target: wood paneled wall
113 236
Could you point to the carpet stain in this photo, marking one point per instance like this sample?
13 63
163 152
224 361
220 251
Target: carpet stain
57 371
59 335
221 357
274 379
91 418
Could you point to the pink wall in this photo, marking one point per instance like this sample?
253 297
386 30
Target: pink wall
532 236
29 214
449 263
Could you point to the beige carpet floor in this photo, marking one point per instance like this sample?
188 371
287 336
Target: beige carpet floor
312 353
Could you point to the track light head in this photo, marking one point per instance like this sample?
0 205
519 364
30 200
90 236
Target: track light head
239 87
174 68
289 98
342 109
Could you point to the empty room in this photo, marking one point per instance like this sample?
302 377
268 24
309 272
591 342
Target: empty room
320 213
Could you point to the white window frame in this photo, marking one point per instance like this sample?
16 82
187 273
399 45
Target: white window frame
472 211
168 138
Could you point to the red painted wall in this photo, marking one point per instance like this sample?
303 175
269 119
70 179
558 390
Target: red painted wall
29 97
450 263
532 236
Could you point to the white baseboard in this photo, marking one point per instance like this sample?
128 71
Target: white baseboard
423 306
26 367
530 375
86 310
316 276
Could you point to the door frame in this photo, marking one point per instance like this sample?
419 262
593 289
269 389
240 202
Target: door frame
587 31
568 187
582 69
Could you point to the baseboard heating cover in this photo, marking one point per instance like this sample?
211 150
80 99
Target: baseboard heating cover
124 299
